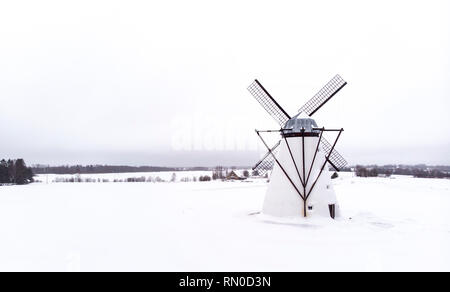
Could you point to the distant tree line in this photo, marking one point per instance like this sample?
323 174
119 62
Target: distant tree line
219 172
420 171
15 172
79 179
362 171
204 178
89 169
95 169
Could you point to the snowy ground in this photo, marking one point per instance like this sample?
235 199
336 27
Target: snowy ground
396 224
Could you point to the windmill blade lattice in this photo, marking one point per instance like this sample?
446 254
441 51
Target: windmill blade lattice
267 162
336 160
323 96
268 103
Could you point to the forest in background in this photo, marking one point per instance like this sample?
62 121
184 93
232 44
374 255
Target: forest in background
15 172
419 171
91 169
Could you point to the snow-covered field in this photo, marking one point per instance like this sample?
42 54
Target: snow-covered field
396 224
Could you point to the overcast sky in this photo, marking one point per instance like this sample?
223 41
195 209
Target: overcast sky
164 82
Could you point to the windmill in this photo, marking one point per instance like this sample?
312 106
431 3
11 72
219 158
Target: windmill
300 181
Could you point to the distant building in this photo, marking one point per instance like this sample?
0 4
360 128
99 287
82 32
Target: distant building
235 175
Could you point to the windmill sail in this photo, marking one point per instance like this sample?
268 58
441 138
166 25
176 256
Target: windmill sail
324 95
268 103
267 162
336 160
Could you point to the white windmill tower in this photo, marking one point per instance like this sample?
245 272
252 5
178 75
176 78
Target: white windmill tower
300 182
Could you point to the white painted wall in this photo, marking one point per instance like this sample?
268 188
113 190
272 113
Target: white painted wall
282 199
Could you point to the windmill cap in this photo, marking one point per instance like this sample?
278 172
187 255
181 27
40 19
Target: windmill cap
299 122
